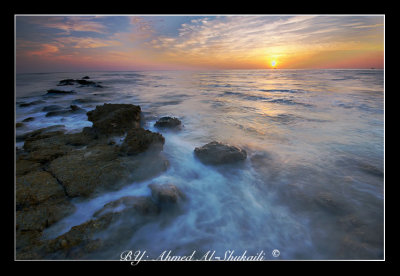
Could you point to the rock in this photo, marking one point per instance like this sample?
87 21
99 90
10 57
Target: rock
24 166
165 194
86 78
83 82
52 108
59 92
139 140
80 238
31 103
37 133
74 107
17 125
100 167
168 122
41 216
216 153
29 119
82 101
133 204
36 187
66 82
115 118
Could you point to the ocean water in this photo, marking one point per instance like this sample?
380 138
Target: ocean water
312 186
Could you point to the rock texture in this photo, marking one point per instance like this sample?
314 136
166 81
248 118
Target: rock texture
216 153
55 167
115 118
168 122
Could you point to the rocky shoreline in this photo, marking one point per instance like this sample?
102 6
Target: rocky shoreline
53 167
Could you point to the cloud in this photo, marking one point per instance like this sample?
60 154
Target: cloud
241 38
86 42
68 24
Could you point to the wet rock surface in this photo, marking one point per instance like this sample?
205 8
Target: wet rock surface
53 167
216 153
168 122
115 118
139 140
83 82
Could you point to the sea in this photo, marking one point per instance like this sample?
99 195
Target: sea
311 188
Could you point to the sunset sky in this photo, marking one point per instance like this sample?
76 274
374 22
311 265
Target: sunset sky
174 42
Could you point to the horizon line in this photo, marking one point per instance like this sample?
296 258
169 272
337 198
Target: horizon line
269 69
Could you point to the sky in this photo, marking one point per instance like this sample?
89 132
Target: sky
80 43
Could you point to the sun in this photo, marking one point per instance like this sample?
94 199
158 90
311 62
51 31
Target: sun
273 63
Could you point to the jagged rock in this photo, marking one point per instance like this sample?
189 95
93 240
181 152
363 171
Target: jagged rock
103 169
168 122
139 140
216 153
115 118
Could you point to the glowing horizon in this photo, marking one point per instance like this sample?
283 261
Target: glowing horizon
124 43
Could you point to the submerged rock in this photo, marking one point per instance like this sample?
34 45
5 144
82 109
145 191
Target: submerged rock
168 122
83 82
166 194
31 103
216 153
115 118
133 204
59 92
74 109
29 119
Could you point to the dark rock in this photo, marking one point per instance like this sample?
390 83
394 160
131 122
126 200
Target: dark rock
139 140
74 107
52 108
216 153
59 92
115 118
25 166
29 119
31 103
36 134
166 194
66 82
82 101
38 217
103 169
19 125
168 122
86 78
37 187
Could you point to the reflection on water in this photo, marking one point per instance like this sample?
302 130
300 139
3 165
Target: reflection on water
312 185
